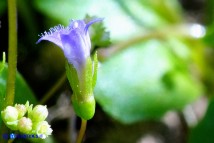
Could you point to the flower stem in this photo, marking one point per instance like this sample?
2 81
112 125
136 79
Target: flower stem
12 52
12 58
82 131
10 141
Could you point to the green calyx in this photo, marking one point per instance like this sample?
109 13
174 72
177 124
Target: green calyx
82 86
85 108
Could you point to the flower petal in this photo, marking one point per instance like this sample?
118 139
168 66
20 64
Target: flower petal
76 48
92 22
53 35
80 24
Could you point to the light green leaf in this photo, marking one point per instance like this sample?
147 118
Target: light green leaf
143 82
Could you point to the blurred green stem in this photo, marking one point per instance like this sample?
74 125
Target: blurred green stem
82 131
12 52
105 53
56 86
175 30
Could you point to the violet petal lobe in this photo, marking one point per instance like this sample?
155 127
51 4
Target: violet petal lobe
53 35
92 22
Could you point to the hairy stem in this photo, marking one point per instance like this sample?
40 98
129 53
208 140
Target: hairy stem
82 131
12 52
12 59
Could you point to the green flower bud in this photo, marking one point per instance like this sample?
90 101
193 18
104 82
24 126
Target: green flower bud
21 110
39 113
9 114
25 125
42 129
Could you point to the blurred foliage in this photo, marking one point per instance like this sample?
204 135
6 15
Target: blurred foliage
2 6
147 77
150 14
203 133
153 13
209 19
143 82
209 12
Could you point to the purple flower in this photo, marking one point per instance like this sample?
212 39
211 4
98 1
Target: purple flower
74 40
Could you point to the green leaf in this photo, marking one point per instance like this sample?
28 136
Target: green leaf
22 90
203 132
143 82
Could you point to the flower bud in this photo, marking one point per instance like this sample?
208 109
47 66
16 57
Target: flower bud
43 129
21 110
9 114
39 113
25 125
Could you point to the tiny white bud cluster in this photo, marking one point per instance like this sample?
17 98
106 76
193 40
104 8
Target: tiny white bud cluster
27 120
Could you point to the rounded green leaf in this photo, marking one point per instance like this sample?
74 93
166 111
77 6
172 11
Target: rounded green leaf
144 82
